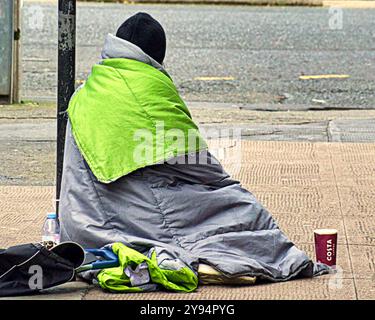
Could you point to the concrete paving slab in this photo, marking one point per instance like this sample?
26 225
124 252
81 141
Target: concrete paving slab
352 130
285 152
356 174
22 212
291 174
363 262
360 231
299 228
358 201
297 201
366 289
352 152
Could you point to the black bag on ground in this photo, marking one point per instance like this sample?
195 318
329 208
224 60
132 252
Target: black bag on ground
28 268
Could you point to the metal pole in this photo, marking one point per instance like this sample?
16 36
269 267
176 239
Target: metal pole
66 79
16 81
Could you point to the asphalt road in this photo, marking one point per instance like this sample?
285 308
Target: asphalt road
261 52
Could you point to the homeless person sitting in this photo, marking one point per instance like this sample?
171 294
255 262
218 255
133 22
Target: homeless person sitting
172 209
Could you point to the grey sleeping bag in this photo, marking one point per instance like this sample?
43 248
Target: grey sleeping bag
193 212
189 213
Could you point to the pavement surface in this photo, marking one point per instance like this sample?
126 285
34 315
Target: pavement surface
252 55
305 185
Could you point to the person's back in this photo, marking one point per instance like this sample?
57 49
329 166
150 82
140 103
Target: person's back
178 200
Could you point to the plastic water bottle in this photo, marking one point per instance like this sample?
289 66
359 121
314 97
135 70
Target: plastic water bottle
51 229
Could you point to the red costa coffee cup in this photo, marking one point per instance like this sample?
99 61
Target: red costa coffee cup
326 245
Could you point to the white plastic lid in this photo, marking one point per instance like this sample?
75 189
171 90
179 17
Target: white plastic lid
51 215
325 231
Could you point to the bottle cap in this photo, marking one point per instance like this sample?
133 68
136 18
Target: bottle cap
51 215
